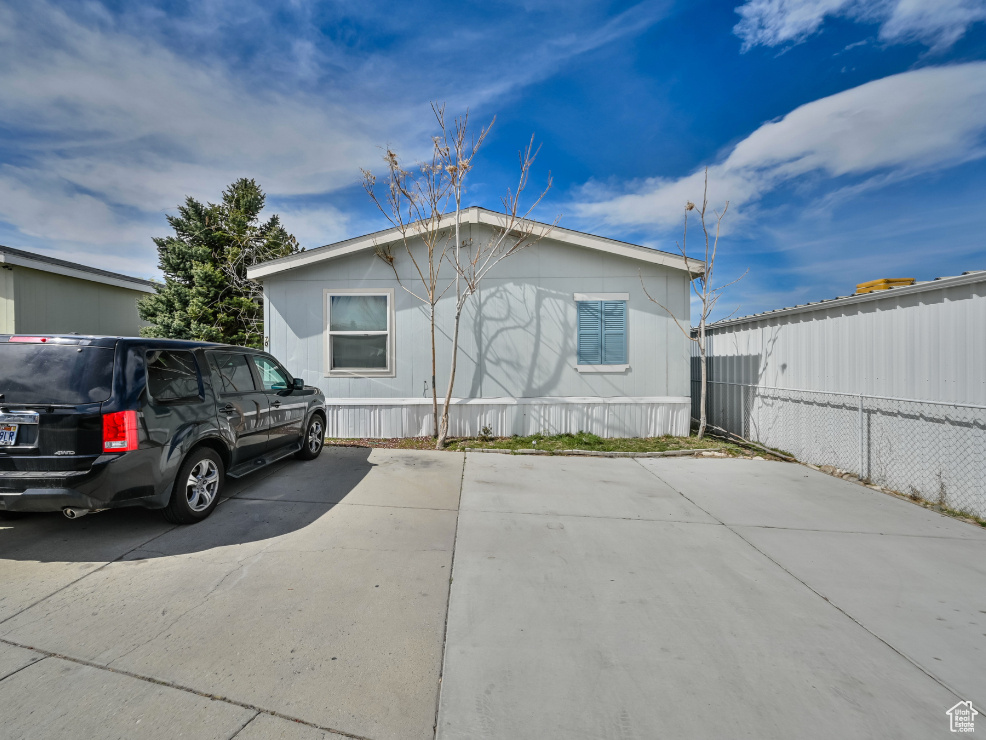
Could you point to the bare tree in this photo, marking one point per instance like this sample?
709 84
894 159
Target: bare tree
702 286
241 297
472 261
416 204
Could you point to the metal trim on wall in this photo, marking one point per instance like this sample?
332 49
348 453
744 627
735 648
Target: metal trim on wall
610 417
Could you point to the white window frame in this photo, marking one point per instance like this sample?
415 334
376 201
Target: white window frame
389 371
601 297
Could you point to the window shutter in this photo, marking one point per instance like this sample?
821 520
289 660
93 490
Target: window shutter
590 336
614 333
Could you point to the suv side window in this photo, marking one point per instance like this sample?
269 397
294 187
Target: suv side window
272 375
172 376
234 373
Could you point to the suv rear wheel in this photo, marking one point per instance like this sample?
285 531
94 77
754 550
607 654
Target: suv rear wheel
197 488
314 439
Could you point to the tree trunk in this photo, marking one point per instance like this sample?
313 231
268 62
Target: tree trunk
443 428
434 390
701 353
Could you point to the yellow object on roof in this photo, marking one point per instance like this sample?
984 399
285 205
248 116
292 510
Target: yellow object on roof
883 284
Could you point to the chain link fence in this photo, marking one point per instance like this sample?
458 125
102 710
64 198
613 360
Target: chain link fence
933 450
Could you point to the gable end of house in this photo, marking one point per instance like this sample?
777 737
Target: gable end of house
477 215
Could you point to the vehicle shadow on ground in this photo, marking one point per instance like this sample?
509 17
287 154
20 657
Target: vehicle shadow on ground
283 499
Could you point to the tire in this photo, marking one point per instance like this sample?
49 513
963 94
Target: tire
313 440
198 485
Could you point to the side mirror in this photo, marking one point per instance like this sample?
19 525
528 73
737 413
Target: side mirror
298 384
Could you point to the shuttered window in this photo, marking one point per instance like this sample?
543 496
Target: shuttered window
602 332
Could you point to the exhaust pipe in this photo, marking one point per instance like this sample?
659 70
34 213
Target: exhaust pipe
71 513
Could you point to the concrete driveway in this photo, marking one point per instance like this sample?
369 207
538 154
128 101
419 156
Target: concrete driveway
602 598
591 598
317 593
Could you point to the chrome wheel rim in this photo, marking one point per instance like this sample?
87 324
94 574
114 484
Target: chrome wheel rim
316 435
202 485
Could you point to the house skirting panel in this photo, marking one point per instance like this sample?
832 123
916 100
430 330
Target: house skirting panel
378 418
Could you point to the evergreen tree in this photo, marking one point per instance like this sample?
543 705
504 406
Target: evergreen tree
206 294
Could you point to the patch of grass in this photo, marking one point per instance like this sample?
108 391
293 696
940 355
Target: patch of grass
555 442
595 443
946 510
393 443
959 514
915 496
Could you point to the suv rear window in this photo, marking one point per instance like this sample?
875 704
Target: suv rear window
55 374
171 376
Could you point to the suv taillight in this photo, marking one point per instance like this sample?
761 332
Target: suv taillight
120 431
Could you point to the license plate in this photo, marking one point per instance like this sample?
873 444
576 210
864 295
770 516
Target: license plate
8 433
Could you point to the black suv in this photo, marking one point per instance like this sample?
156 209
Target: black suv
90 423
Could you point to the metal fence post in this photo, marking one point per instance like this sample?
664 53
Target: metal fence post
862 472
742 424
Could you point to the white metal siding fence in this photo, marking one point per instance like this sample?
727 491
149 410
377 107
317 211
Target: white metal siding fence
936 450
927 341
830 382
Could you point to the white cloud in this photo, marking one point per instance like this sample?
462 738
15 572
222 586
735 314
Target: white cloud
138 123
773 22
46 208
84 228
316 226
936 23
545 55
115 131
115 118
883 131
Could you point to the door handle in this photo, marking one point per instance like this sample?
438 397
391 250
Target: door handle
228 408
276 404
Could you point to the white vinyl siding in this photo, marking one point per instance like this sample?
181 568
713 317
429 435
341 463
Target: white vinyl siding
518 340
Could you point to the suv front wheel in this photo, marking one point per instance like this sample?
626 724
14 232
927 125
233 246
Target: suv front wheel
314 439
197 488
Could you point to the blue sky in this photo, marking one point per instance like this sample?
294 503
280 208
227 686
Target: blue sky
849 136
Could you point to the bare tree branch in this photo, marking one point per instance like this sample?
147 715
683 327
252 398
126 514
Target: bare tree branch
473 261
686 332
416 203
733 282
701 286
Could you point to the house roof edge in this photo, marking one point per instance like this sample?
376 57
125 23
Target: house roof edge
972 276
475 215
43 263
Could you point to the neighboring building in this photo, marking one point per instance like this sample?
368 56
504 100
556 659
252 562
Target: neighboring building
44 295
889 385
560 338
925 341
